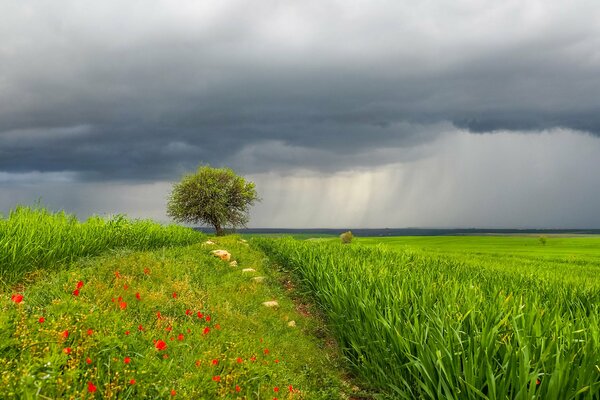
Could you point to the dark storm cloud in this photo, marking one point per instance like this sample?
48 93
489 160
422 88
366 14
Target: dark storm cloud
108 91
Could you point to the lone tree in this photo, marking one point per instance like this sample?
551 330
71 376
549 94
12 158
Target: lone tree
215 196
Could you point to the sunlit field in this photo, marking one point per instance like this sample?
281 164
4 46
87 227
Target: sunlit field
459 317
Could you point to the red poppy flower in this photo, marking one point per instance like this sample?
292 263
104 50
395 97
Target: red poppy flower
79 285
127 360
217 326
291 388
198 362
17 298
65 334
266 351
189 330
76 292
158 315
137 296
276 361
253 358
165 356
120 298
67 350
200 315
132 382
207 318
126 333
88 360
171 338
214 361
160 345
237 388
90 332
174 295
125 286
173 392
239 360
147 271
216 378
91 387
117 274
188 312
276 389
140 328
180 337
42 320
169 328
537 381
122 305
206 331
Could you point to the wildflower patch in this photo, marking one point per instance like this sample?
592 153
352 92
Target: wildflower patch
175 323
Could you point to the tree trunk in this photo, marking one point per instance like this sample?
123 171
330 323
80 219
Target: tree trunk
219 230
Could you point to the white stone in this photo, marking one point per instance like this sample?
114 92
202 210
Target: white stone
259 279
292 324
209 242
233 263
248 270
271 304
222 254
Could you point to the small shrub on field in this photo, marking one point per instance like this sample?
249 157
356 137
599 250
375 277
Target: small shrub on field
346 237
543 240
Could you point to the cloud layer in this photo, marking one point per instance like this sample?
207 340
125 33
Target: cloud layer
115 100
501 180
114 91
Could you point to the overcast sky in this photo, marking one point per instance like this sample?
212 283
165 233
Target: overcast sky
345 113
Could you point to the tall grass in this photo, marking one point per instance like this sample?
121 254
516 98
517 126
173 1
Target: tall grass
35 238
431 327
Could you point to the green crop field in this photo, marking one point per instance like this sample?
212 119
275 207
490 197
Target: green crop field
119 308
459 317
565 259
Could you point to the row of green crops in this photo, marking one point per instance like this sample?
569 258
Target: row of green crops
416 326
34 238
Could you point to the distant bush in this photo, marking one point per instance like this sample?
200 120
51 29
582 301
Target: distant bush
543 240
346 237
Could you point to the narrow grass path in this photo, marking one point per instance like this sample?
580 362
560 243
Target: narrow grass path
169 323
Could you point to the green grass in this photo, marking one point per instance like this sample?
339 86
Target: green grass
35 238
33 362
573 260
461 317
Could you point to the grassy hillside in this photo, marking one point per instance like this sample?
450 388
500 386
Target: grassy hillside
34 238
464 322
167 323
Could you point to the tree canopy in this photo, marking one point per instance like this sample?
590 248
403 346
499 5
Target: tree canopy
214 196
